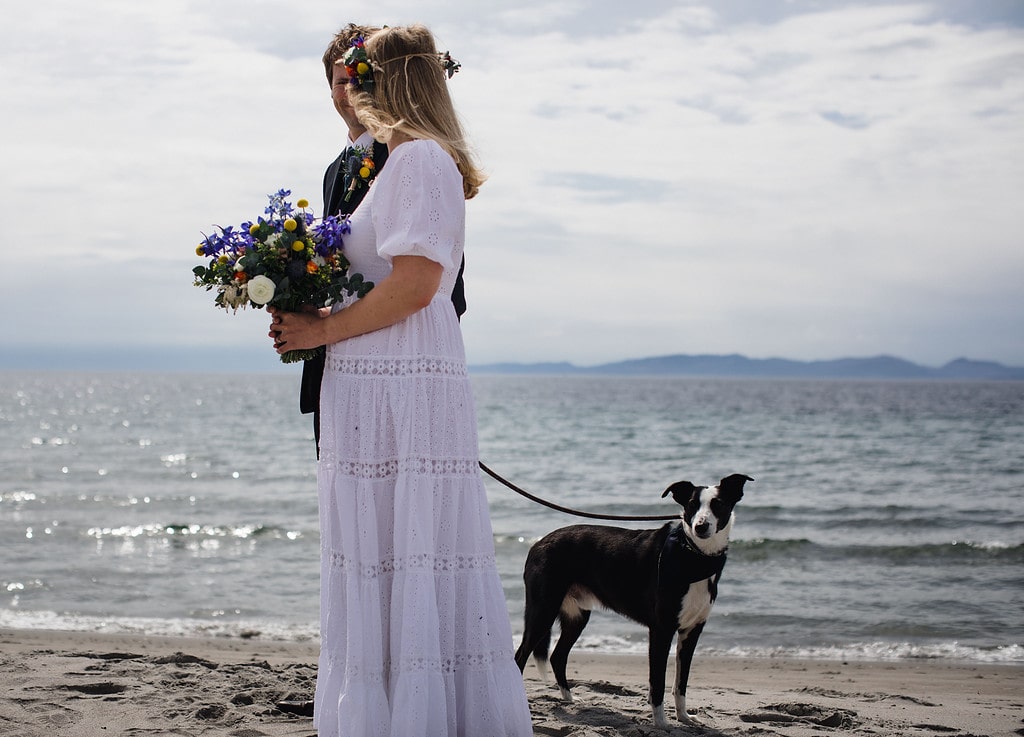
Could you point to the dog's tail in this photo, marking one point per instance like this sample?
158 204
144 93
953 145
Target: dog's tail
540 659
543 671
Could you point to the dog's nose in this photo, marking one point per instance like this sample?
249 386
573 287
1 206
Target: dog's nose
702 529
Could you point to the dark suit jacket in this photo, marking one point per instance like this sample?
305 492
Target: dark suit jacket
334 204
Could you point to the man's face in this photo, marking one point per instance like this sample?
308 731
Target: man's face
339 93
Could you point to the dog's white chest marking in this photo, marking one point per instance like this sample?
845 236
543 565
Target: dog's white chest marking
696 607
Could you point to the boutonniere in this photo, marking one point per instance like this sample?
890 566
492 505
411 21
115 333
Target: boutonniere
359 169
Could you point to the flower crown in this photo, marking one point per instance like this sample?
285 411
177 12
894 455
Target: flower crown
360 67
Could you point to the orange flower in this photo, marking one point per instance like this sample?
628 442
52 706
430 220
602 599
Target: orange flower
241 275
311 267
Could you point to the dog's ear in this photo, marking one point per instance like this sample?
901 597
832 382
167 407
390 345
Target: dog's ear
681 491
732 486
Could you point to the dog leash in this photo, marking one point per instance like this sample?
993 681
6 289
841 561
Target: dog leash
576 512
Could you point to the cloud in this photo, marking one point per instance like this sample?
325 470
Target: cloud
788 179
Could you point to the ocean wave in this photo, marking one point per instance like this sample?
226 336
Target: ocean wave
193 531
155 627
990 550
1003 654
18 497
278 630
757 550
862 651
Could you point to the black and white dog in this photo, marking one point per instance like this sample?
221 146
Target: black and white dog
665 579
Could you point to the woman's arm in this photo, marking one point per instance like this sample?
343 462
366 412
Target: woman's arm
411 285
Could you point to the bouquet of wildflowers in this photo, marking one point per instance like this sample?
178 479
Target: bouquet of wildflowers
288 259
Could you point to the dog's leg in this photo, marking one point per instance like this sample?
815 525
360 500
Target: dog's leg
536 636
535 642
572 628
685 647
533 639
523 653
658 646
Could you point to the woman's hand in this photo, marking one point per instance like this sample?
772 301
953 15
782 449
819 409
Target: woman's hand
293 331
409 288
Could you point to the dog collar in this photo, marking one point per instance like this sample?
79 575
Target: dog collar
687 563
678 536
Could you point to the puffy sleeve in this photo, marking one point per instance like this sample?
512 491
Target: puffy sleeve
419 208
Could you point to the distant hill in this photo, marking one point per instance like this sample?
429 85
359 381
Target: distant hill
258 359
735 365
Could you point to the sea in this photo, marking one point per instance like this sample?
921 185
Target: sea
885 520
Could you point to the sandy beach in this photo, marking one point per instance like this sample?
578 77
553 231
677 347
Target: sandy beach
84 685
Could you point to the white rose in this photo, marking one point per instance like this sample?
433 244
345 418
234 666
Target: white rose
261 289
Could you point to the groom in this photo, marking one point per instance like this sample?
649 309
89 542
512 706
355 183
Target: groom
338 183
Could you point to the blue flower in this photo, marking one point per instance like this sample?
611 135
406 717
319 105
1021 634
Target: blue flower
329 234
278 206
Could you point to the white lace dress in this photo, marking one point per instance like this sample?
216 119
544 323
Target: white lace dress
415 634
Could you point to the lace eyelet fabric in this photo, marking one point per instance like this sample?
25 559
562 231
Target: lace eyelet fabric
415 633
396 366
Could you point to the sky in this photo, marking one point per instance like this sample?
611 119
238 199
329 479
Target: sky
801 179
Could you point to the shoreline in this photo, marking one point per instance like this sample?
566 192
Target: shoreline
81 684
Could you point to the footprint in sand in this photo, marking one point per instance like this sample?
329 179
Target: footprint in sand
103 688
110 656
807 713
611 689
53 715
184 659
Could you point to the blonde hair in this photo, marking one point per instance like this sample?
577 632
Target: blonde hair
410 96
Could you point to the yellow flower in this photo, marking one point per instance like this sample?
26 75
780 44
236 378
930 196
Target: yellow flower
254 229
362 67
298 245
364 172
223 259
199 250
303 203
290 224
